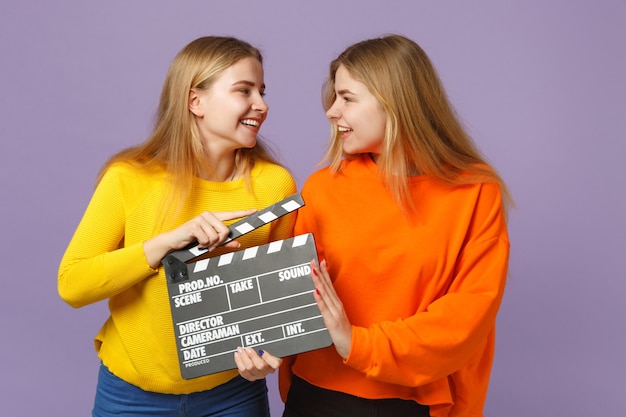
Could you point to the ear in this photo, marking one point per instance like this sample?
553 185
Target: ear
195 104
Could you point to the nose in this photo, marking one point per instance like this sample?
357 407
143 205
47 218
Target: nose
333 112
260 105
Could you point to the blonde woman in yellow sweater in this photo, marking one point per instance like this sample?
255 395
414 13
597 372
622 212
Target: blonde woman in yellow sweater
409 223
202 165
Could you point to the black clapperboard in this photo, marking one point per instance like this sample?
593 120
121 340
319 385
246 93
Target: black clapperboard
260 297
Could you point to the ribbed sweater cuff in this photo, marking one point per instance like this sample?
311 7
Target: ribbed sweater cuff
361 351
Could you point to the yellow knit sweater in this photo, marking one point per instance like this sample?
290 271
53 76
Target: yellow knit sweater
105 260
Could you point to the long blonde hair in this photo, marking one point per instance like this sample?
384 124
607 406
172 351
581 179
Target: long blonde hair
175 142
422 134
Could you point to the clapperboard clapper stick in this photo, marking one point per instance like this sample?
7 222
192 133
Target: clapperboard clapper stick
260 297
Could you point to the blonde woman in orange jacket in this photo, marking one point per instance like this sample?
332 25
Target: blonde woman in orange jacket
409 222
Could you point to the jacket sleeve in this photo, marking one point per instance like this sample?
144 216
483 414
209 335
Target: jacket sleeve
438 341
95 265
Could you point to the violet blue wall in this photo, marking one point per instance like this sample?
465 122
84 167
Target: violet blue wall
541 85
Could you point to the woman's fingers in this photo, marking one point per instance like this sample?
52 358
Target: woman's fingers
324 287
271 360
331 307
209 230
252 365
231 215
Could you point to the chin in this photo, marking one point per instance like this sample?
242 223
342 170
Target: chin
247 144
351 151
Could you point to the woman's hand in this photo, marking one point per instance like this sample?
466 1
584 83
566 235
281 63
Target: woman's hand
332 310
207 229
253 365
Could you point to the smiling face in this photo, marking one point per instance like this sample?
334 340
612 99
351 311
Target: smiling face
231 111
359 116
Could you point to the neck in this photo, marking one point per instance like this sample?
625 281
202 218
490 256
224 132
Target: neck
412 171
222 170
219 175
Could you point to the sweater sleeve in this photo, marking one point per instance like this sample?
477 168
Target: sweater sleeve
95 265
438 341
282 228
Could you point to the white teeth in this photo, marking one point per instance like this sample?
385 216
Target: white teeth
250 122
343 129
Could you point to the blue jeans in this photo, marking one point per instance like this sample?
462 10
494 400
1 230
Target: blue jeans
235 398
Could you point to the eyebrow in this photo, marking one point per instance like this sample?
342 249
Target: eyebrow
249 83
345 91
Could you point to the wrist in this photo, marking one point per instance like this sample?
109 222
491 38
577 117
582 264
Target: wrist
155 249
